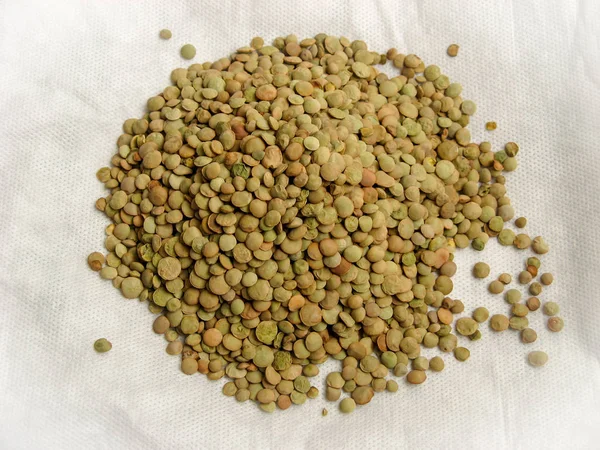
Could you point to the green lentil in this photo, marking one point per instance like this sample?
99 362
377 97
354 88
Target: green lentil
165 34
347 405
466 326
496 287
481 314
518 323
546 279
555 324
539 245
537 358
520 310
528 336
499 322
462 353
551 308
436 364
505 278
535 288
481 270
453 50
533 303
475 336
521 222
534 261
102 345
188 51
512 296
525 277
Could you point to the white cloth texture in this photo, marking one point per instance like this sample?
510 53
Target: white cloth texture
72 71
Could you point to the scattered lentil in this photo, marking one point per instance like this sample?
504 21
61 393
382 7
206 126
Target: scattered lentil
481 270
496 287
537 358
505 278
453 50
528 335
521 222
347 405
481 314
499 322
102 345
188 51
512 296
436 364
165 34
533 303
546 279
535 288
551 308
555 324
525 277
462 353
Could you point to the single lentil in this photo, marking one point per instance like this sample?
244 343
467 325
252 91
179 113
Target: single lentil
546 279
528 336
102 345
188 51
462 353
537 358
499 322
453 50
555 324
481 270
165 34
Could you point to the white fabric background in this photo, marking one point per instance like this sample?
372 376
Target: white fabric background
70 74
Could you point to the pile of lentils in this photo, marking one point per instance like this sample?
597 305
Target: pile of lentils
291 203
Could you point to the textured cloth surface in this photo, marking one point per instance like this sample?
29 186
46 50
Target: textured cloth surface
72 72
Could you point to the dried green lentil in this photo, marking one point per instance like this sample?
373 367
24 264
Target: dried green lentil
533 303
518 323
436 364
496 287
466 326
188 51
525 277
452 50
555 324
102 345
539 245
546 279
512 296
462 353
505 278
528 335
481 270
521 222
347 405
535 288
537 358
481 314
416 377
499 322
165 34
